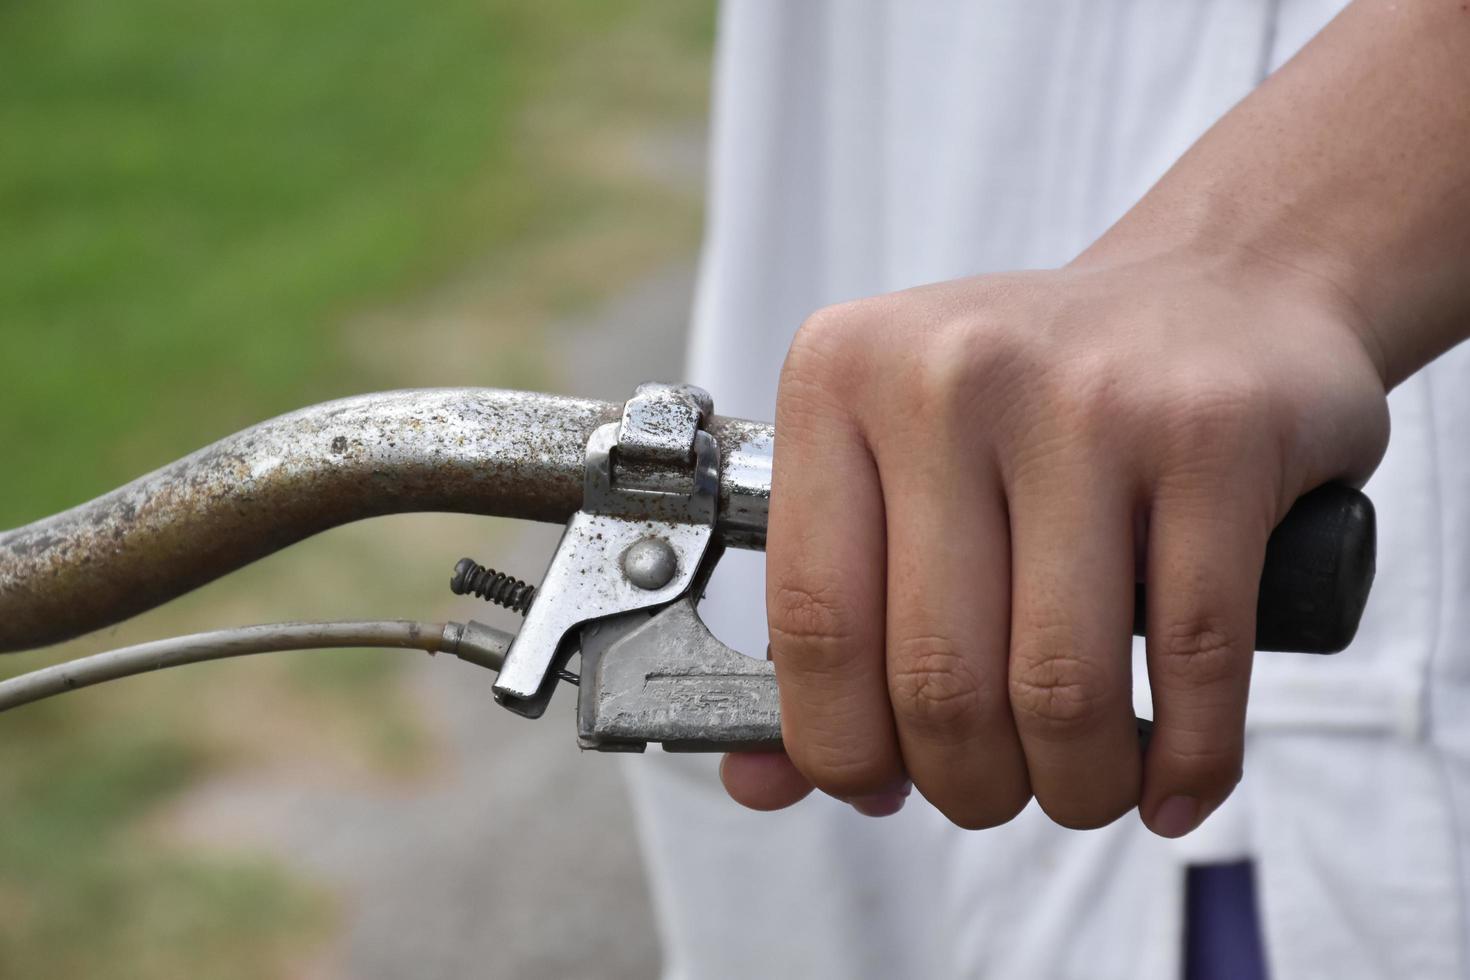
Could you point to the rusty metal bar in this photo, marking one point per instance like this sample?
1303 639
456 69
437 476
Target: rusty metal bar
460 450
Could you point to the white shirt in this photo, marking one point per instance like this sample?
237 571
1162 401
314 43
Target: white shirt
862 146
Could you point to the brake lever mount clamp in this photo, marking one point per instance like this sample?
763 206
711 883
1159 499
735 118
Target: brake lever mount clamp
622 589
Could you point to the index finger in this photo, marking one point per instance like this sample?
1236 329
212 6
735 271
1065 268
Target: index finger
825 583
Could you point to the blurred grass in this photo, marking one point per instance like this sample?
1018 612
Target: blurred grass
192 190
214 212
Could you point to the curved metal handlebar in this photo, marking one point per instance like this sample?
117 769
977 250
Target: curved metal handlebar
459 450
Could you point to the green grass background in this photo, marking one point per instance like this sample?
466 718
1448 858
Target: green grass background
214 212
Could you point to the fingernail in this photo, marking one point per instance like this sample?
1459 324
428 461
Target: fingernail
882 804
879 804
1176 816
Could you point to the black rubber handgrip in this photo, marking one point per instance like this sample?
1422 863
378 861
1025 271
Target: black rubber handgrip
1319 568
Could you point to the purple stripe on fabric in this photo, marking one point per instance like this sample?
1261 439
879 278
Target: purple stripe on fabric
1222 924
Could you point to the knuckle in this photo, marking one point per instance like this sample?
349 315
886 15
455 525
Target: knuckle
812 626
1053 701
1073 412
932 686
833 321
823 346
1087 397
1199 652
967 360
1054 691
1088 392
805 612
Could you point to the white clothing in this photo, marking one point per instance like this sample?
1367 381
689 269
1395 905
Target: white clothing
862 146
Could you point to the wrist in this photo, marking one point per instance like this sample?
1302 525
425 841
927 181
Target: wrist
1252 256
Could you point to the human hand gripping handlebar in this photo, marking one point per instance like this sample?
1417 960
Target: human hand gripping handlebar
651 493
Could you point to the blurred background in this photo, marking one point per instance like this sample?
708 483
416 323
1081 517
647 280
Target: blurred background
211 213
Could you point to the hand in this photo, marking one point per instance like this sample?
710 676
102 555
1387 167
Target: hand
969 478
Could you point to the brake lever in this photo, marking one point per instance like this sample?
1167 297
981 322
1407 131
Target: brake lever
623 586
621 592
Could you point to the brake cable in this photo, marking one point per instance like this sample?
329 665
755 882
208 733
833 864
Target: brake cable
473 642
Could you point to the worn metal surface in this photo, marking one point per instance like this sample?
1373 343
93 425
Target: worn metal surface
745 480
660 421
669 680
465 450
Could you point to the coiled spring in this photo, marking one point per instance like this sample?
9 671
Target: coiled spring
472 578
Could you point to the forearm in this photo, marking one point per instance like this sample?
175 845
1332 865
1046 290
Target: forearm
1350 167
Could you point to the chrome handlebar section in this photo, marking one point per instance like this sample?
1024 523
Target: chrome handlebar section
459 450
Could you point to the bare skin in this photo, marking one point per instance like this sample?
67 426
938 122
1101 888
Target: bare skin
970 475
